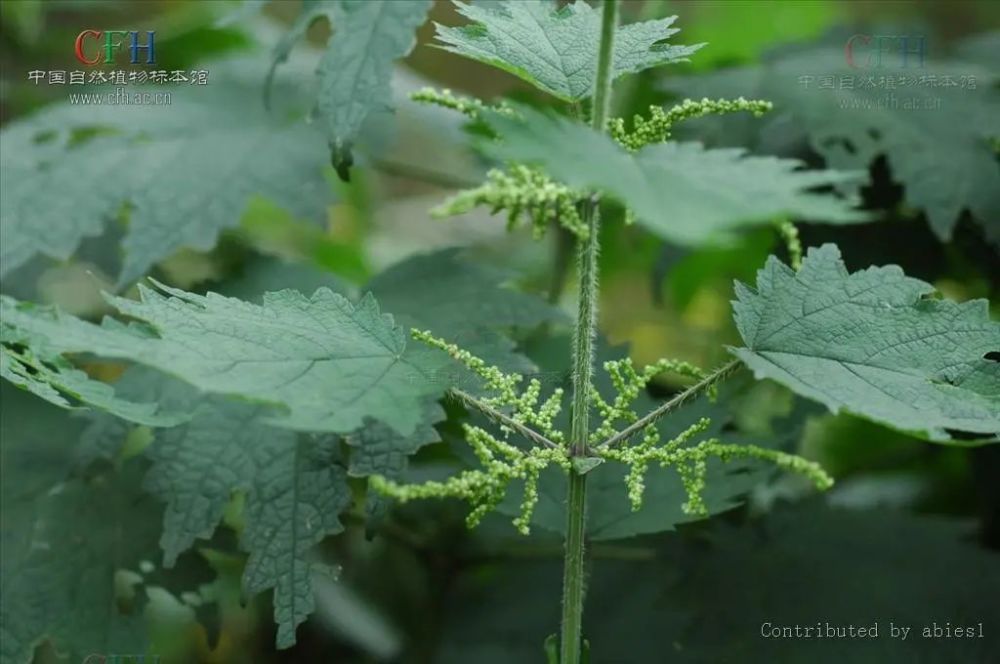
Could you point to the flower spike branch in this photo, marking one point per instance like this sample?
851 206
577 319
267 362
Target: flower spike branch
521 411
500 418
484 489
525 410
707 383
502 462
519 190
692 464
628 384
790 236
468 106
657 128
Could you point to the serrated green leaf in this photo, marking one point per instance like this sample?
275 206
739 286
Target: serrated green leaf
355 72
294 502
47 374
174 212
106 433
199 465
159 164
295 493
872 343
375 448
555 48
464 301
326 362
227 448
680 191
945 113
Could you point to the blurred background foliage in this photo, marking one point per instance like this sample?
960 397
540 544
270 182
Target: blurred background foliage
425 589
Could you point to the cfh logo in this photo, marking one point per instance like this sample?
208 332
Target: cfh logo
97 658
882 51
109 42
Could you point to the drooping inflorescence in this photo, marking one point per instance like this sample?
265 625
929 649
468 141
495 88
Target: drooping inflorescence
691 464
501 462
521 190
790 234
522 405
518 189
467 106
520 410
628 383
658 127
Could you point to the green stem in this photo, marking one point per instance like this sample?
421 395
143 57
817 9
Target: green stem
573 570
602 83
571 636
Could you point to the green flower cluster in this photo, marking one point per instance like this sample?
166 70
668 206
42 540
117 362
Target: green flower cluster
628 384
467 106
501 462
484 489
522 411
691 464
518 190
790 235
522 404
658 127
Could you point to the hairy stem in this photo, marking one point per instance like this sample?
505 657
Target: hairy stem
676 402
573 570
583 363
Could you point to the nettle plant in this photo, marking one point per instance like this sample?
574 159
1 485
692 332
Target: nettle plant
281 400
